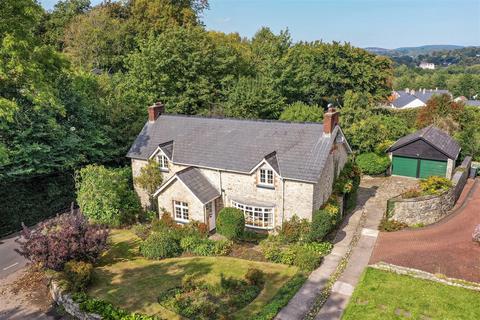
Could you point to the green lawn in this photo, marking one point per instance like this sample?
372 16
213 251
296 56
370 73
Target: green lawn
131 282
386 295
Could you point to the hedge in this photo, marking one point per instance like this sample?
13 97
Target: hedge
231 223
372 163
34 199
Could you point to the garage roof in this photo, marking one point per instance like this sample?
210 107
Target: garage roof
434 136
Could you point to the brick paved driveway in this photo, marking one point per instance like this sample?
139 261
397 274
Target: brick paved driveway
445 247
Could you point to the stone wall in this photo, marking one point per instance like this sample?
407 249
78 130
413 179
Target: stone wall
429 209
71 307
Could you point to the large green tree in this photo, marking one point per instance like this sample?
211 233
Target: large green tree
181 66
61 16
254 98
301 112
321 72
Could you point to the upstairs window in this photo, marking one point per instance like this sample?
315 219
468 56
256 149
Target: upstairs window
266 177
163 162
181 211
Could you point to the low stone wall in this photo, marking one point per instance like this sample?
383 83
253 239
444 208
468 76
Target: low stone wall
71 307
429 209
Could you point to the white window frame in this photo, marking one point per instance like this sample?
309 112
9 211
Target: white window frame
255 216
266 177
182 211
162 161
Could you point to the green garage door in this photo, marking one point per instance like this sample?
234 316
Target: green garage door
402 166
432 168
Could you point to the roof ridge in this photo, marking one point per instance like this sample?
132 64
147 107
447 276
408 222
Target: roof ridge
238 119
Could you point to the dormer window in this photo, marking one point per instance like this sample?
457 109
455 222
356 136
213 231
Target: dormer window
266 177
163 162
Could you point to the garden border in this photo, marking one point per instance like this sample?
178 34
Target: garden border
64 299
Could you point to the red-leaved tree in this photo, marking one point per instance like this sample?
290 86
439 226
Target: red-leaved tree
63 238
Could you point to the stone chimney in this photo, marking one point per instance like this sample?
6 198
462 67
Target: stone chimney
330 120
155 111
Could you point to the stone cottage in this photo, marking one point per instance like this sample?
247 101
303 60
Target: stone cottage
271 170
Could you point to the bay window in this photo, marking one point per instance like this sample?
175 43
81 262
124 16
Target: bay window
256 217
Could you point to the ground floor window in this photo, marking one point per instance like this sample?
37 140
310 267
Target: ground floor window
181 211
256 217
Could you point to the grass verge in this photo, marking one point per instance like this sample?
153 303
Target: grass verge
385 295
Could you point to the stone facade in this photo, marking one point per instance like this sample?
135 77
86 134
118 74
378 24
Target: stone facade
334 164
287 197
179 192
429 209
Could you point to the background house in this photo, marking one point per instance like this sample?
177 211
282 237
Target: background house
410 98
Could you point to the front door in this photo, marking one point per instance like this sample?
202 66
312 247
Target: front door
210 210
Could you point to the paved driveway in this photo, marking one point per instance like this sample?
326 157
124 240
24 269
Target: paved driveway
445 247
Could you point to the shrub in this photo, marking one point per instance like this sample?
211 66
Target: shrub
78 274
106 195
307 256
322 248
306 259
373 164
435 185
324 220
231 223
205 247
271 250
64 238
142 230
348 180
106 310
391 225
252 236
281 298
166 222
411 193
160 246
294 229
476 234
222 247
255 277
195 228
383 146
322 224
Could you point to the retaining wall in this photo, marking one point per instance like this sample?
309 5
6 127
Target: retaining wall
71 307
429 209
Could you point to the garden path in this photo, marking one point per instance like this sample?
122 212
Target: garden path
361 225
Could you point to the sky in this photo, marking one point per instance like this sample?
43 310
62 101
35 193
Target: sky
364 23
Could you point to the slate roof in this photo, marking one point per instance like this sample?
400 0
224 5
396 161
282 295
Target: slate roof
198 184
403 99
434 136
167 148
301 149
429 93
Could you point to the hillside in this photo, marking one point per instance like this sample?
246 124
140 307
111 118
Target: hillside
412 51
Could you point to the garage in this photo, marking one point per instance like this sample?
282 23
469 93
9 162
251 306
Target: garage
427 152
